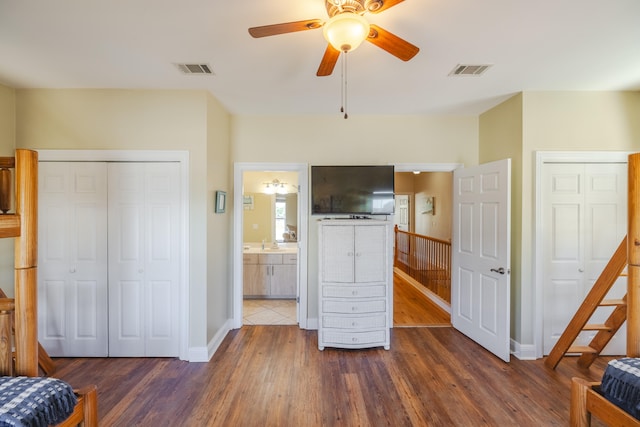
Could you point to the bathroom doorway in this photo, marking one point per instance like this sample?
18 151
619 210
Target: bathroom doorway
270 244
270 247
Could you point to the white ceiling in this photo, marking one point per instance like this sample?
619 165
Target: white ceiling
532 45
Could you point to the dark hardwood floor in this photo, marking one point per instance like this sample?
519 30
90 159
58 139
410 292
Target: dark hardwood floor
276 376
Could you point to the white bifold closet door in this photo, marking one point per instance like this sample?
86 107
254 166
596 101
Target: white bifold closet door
584 220
109 265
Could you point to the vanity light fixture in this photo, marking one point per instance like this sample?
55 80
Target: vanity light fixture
275 186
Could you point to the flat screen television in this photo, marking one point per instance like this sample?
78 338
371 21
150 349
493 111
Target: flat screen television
353 190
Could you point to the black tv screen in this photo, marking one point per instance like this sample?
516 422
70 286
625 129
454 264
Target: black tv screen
353 190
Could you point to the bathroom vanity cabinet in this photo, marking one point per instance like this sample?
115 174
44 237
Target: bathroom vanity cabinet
270 275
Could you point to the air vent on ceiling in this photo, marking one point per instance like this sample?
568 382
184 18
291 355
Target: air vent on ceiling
195 68
468 70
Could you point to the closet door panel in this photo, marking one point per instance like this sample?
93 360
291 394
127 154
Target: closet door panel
52 315
162 243
143 236
72 264
126 260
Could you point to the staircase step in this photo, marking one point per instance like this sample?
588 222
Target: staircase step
596 327
581 349
612 302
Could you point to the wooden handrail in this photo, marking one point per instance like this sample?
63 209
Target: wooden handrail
426 259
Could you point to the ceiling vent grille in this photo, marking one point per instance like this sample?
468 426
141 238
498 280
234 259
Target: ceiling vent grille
469 70
195 68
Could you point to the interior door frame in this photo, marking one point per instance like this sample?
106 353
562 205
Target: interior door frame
181 157
543 157
303 234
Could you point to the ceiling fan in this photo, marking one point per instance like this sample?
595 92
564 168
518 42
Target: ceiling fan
345 29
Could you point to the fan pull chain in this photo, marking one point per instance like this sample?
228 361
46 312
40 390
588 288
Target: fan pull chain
343 109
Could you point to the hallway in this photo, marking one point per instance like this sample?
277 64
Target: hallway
413 309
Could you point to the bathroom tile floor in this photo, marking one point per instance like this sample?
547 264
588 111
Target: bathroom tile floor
269 312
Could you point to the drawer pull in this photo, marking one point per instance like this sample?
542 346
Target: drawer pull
354 308
354 293
354 339
354 324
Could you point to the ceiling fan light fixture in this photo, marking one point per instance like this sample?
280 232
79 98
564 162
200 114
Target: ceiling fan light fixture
346 31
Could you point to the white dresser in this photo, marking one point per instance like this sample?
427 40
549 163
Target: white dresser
355 283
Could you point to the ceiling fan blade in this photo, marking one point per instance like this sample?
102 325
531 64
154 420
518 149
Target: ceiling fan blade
287 27
386 4
393 44
328 62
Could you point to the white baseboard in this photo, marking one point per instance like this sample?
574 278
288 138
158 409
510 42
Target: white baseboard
204 354
523 351
424 291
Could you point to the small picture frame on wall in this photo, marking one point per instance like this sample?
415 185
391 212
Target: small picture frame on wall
247 202
221 201
429 206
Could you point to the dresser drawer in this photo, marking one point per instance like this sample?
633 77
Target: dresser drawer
354 307
379 291
354 339
355 322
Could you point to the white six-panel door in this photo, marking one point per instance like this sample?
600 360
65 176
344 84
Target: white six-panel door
72 259
109 265
143 259
584 221
480 251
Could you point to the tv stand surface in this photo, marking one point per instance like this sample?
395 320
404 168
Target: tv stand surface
347 217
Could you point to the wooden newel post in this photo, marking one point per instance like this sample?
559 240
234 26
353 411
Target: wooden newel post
26 264
633 264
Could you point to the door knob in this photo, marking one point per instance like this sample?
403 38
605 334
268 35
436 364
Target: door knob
499 270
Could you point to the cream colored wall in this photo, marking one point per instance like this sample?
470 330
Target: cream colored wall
357 140
7 121
258 221
438 185
582 121
219 291
549 121
142 120
7 148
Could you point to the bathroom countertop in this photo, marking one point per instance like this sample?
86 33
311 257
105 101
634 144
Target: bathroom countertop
270 250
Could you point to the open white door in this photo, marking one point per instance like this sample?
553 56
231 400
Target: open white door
480 249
